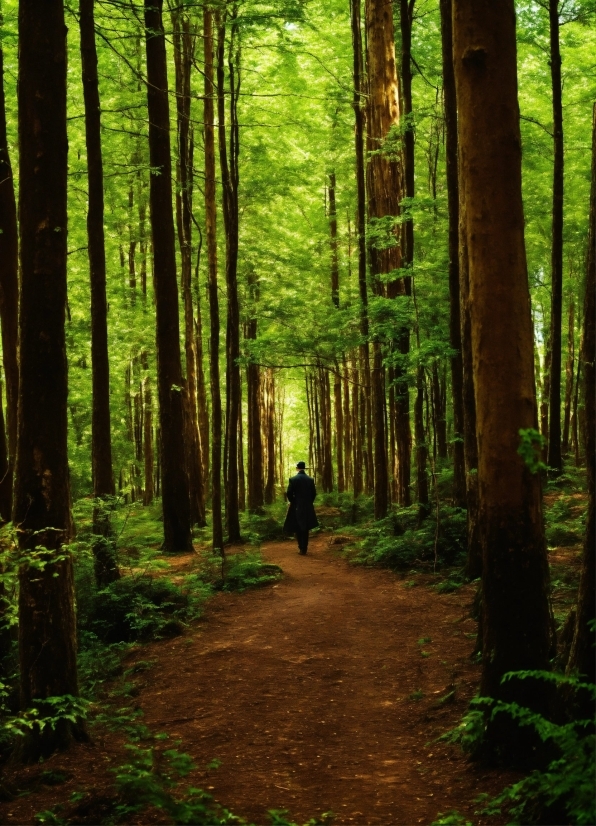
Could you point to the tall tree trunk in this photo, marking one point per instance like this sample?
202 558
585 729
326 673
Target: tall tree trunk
9 299
106 568
270 481
364 419
253 390
334 244
211 229
515 581
47 628
421 447
569 378
474 547
183 56
450 104
439 413
555 461
581 658
229 175
147 442
339 428
403 436
385 187
174 478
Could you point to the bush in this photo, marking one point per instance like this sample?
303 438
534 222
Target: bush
138 608
563 792
400 542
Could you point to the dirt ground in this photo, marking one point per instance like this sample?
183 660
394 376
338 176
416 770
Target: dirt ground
323 692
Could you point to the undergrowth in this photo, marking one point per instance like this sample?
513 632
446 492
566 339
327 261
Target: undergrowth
402 541
564 791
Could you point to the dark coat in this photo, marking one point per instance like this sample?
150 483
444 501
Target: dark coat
301 494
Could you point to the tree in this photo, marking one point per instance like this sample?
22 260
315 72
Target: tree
554 432
230 181
47 641
384 190
516 616
9 297
450 103
581 657
106 568
210 221
175 486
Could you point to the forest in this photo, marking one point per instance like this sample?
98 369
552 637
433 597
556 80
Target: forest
236 235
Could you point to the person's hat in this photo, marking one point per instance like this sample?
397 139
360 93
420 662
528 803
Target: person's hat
301 466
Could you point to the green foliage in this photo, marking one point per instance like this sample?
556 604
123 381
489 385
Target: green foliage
401 541
530 449
140 608
47 713
564 521
247 570
451 819
151 778
565 790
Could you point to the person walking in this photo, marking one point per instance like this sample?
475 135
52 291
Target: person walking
301 516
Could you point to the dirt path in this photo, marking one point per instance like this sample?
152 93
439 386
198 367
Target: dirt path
304 691
321 693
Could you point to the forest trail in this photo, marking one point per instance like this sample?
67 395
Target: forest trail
303 690
323 692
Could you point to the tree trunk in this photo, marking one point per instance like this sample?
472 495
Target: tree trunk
147 442
516 615
569 368
555 461
333 232
270 481
183 55
174 478
385 188
253 391
450 104
9 299
47 628
211 229
106 568
339 428
421 447
581 658
229 176
439 408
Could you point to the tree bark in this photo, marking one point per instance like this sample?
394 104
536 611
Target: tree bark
581 658
106 567
9 299
183 54
456 360
334 243
174 478
555 461
229 176
253 390
47 628
516 615
569 369
211 230
385 187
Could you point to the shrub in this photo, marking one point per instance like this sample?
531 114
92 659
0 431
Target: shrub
401 542
138 608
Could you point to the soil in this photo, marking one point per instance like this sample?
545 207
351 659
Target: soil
324 692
